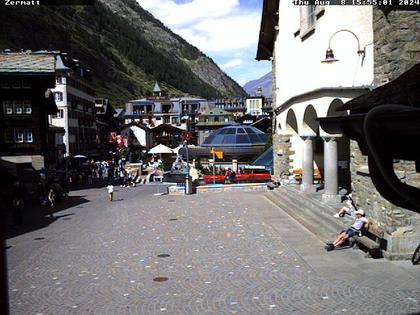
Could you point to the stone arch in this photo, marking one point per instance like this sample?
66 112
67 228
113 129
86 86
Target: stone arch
332 109
291 122
310 124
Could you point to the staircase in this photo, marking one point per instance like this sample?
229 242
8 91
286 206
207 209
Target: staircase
310 211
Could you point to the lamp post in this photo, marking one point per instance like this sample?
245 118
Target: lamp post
188 182
329 56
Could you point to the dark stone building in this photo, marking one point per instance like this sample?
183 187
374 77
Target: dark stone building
26 103
396 50
105 125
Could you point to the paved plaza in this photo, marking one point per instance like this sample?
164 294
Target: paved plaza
215 253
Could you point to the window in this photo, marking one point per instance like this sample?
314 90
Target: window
16 84
5 84
58 96
27 107
308 17
60 113
226 119
7 107
216 119
19 136
17 106
8 135
28 136
26 83
59 79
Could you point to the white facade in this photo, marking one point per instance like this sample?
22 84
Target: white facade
298 62
305 87
77 118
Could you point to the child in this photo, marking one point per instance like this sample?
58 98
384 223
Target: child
110 189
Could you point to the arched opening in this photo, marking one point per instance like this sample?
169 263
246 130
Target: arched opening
310 124
332 109
291 122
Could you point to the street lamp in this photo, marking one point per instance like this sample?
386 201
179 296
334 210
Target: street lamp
329 56
188 182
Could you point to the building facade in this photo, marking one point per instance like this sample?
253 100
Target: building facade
236 106
322 58
178 112
26 103
76 109
212 119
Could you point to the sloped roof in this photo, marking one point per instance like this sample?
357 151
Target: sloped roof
60 64
236 136
156 88
167 127
269 21
216 112
27 63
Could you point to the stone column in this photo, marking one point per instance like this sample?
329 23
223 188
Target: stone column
331 170
308 166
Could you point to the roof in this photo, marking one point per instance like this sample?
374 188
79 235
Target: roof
27 63
216 112
269 21
404 90
167 127
60 64
118 112
235 136
156 88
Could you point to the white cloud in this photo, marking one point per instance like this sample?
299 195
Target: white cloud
222 29
173 14
212 26
231 64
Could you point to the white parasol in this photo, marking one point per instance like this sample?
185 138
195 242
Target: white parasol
160 149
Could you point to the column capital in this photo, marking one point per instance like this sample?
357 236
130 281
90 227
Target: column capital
329 138
308 137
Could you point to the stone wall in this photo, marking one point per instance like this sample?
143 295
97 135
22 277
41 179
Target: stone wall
396 49
401 226
282 150
396 43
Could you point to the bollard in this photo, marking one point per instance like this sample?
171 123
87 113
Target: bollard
188 185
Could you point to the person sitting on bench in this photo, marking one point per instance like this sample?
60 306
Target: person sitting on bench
360 223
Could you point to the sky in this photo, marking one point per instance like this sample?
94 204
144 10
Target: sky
225 30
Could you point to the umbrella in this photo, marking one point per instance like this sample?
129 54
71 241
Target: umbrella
160 149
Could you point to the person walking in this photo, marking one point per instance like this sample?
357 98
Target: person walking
51 199
110 189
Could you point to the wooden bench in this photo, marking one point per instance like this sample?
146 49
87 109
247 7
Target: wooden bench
371 242
317 174
298 174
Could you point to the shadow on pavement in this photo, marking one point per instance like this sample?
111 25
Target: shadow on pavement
98 184
37 217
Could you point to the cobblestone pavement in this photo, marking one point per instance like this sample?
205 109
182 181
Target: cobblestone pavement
230 253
